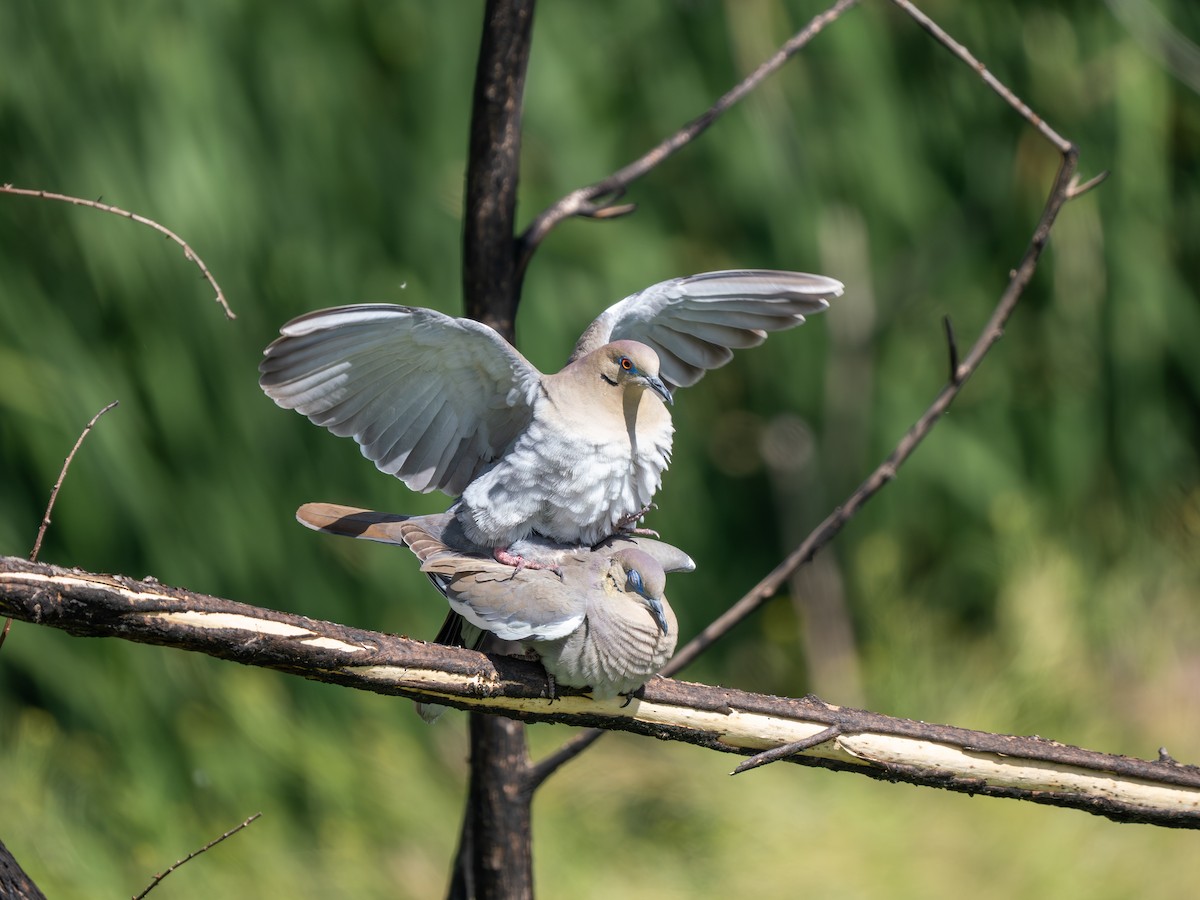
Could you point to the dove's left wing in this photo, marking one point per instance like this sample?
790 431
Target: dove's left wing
695 323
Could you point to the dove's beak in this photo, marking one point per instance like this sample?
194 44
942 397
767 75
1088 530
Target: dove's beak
660 618
656 384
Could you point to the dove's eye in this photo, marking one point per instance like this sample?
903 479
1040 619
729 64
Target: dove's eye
626 363
635 580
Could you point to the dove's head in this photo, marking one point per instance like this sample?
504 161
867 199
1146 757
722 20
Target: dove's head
644 577
631 364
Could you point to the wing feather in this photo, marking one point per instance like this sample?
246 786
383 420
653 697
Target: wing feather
429 398
699 320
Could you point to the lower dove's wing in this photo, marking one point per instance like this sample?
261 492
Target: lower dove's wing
695 323
514 605
429 398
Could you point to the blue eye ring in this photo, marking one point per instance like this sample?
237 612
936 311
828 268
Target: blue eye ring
635 580
626 363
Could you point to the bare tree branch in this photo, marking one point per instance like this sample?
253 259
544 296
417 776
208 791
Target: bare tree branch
1159 792
188 252
171 868
583 201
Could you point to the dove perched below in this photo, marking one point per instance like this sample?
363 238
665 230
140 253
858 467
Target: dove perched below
447 404
596 618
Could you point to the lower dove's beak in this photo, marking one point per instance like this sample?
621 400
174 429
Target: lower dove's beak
660 618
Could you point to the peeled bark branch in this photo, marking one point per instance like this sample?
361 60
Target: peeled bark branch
1159 792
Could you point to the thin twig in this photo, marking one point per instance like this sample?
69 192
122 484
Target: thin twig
783 752
581 202
188 252
62 473
1064 146
1078 190
551 763
161 875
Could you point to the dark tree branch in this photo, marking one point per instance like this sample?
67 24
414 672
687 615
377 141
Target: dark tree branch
14 883
188 252
1160 791
584 201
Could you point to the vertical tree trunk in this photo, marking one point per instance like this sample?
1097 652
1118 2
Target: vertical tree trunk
494 854
494 857
491 287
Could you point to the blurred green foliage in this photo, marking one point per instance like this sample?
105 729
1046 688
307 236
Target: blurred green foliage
1033 569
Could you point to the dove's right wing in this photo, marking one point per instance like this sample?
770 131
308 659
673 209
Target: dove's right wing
429 398
695 323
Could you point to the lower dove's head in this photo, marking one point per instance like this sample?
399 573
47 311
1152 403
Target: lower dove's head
643 576
630 363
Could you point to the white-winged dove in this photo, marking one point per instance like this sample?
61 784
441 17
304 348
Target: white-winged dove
596 618
446 404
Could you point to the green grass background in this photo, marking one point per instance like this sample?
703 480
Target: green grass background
1032 570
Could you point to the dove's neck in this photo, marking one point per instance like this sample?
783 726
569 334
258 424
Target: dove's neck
605 412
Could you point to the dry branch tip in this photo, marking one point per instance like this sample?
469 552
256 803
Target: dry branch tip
166 232
163 874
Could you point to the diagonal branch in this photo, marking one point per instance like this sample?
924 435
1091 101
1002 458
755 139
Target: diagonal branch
886 471
1160 791
188 252
939 34
584 201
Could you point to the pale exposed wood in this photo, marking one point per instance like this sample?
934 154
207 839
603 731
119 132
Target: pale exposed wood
1160 791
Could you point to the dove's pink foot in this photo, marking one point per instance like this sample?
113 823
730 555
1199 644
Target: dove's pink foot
505 557
628 524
